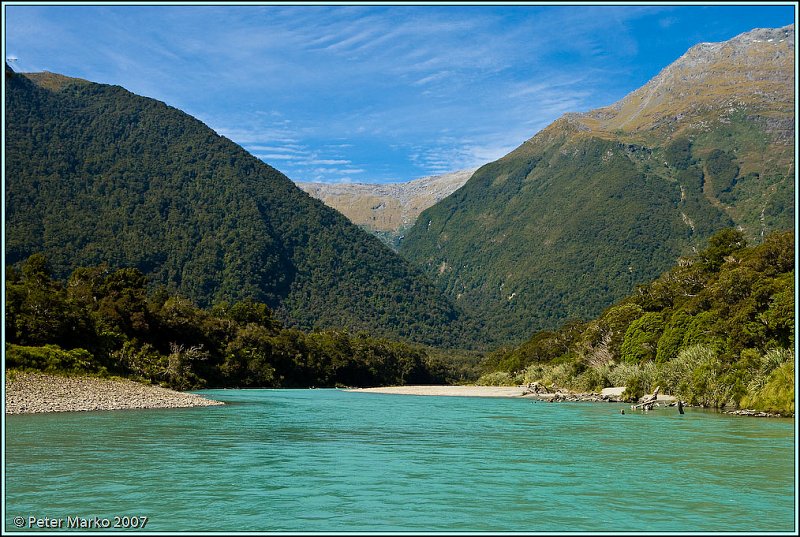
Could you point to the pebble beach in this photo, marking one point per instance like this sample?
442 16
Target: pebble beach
28 392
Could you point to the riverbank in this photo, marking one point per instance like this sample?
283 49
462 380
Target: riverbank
28 392
454 391
608 395
612 395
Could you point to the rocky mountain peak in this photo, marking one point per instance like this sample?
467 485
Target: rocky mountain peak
750 71
387 208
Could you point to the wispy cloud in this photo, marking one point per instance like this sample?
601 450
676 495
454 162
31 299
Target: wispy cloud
329 162
278 156
373 92
292 148
451 154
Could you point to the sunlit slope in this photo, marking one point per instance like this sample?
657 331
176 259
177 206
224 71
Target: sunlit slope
595 203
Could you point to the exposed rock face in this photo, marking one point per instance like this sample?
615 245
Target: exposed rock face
387 208
711 77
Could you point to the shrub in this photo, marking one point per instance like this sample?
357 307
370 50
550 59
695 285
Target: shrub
777 393
702 381
142 361
591 380
675 373
498 378
637 379
51 358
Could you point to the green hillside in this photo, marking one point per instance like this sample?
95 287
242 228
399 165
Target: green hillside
717 329
95 174
575 217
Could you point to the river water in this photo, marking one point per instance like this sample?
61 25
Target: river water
337 461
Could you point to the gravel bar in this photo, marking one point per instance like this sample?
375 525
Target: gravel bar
28 392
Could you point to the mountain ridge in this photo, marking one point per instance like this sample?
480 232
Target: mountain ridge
584 210
700 63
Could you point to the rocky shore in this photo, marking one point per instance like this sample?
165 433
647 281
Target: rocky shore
756 413
447 390
28 392
538 392
531 391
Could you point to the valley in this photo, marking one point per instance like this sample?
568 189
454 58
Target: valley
387 210
210 267
400 268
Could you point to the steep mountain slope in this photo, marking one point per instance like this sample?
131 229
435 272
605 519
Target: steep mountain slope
97 174
388 209
595 203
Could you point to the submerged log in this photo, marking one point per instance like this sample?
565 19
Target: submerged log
648 401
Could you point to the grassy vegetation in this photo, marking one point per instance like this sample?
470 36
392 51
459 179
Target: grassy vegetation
569 223
539 237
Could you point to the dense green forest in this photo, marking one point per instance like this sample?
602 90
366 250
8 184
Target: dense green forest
716 330
96 174
105 321
562 229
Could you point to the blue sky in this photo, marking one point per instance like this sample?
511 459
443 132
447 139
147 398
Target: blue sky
373 93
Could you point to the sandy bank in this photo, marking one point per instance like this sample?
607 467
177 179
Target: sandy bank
37 392
612 395
463 391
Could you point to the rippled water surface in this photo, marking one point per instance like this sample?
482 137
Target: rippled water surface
330 460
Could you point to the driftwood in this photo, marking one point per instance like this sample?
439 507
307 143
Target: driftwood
648 401
535 388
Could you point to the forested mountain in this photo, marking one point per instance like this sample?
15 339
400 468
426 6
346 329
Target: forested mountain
598 202
387 209
96 174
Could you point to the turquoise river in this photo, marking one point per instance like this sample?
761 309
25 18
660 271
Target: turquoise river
338 461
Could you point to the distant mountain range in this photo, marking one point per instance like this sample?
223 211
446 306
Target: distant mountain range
599 202
96 174
387 209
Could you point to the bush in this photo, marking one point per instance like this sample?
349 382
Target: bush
142 361
777 394
498 378
675 374
703 381
51 358
562 375
641 338
634 388
591 380
637 379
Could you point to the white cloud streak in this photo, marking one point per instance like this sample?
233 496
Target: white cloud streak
337 91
